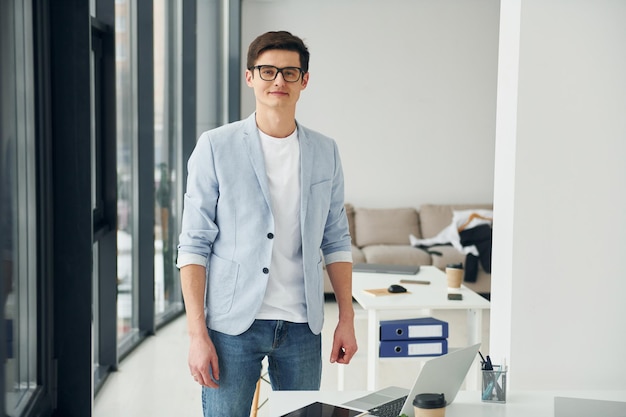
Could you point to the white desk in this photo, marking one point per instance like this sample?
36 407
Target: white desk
466 404
421 299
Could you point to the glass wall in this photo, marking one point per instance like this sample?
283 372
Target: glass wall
80 108
18 231
126 134
103 186
167 155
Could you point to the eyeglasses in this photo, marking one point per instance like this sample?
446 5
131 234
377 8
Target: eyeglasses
270 72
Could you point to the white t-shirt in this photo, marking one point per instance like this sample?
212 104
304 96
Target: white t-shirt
284 297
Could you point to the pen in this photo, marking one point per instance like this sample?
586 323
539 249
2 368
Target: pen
483 361
483 367
487 365
488 391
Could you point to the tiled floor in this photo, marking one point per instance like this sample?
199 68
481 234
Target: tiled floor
154 379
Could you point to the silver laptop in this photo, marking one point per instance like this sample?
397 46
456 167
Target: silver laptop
443 374
386 268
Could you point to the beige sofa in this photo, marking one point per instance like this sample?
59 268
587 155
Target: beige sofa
381 236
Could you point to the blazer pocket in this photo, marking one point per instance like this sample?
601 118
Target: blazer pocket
320 200
221 283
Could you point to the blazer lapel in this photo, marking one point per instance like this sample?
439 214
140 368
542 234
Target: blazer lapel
306 169
252 143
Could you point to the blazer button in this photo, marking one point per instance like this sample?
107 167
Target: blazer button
270 235
266 271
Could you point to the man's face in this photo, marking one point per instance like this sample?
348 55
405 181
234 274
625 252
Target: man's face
277 93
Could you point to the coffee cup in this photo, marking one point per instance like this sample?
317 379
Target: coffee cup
454 273
429 405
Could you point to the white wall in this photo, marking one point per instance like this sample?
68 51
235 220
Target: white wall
406 87
560 276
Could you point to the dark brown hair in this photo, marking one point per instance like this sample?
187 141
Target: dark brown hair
278 40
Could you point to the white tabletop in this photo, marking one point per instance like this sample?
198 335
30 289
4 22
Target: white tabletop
466 404
419 297
433 296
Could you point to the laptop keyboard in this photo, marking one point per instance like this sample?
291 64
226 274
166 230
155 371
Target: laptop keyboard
390 409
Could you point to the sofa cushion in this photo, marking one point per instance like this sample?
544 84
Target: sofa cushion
396 255
435 217
385 226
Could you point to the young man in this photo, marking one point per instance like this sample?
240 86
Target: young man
264 201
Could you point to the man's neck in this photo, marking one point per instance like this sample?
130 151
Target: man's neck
275 123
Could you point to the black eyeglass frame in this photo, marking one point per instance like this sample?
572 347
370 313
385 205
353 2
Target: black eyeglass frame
278 70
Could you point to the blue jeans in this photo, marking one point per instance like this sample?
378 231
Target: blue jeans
295 363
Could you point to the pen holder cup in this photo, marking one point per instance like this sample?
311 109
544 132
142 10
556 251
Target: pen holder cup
494 385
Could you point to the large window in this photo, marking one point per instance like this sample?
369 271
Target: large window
93 99
126 106
18 231
167 155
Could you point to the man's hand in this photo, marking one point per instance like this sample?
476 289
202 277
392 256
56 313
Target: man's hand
344 343
203 361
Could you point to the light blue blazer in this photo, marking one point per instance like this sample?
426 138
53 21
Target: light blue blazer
227 221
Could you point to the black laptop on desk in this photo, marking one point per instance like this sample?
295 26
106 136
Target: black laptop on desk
386 268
